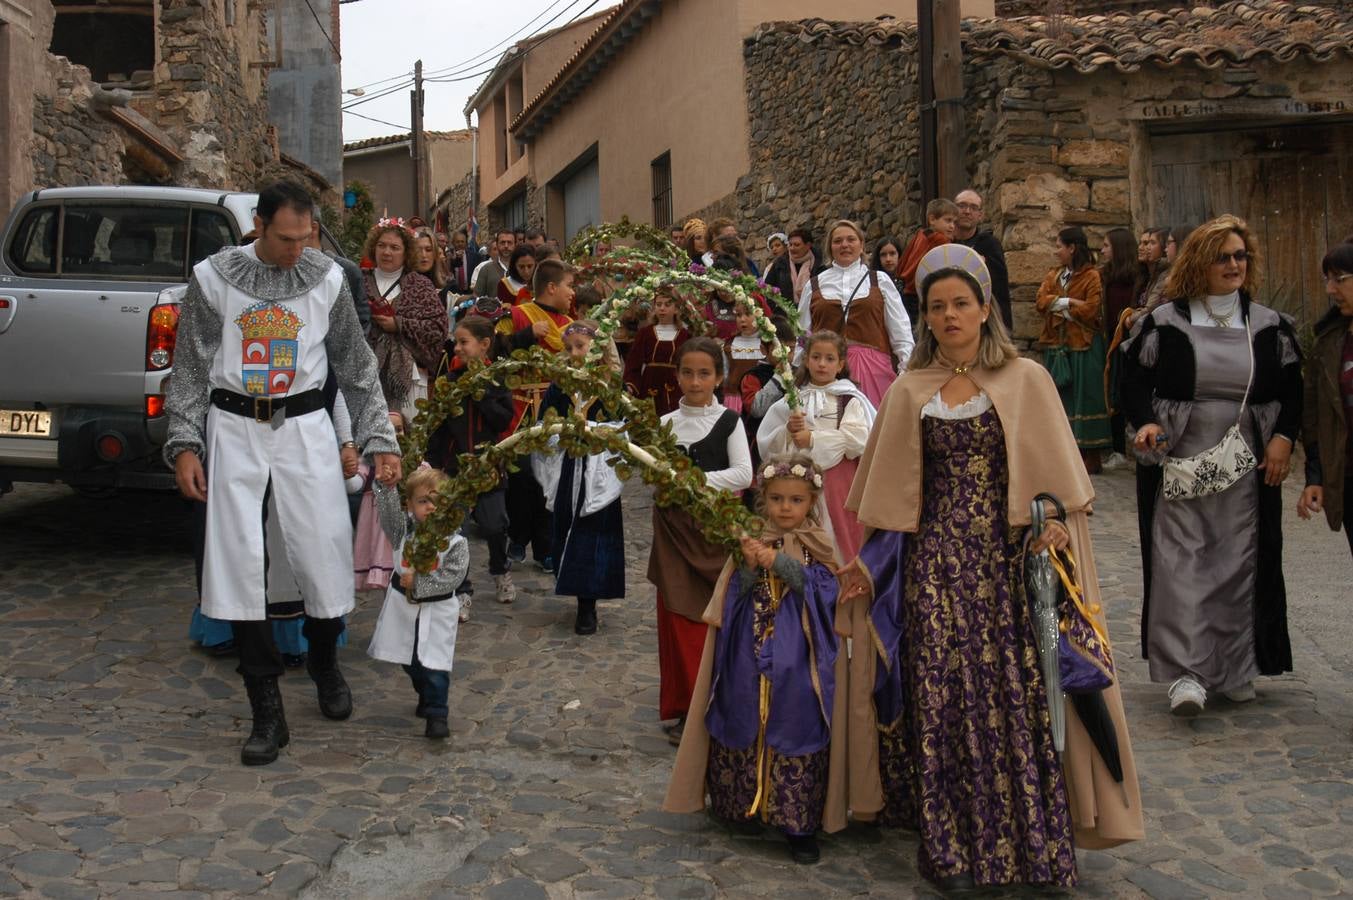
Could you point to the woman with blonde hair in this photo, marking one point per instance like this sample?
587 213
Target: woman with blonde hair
863 305
408 321
948 689
1212 384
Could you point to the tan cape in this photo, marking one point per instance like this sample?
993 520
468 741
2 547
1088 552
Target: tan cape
1042 456
686 790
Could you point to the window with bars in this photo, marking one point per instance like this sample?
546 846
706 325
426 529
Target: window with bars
662 191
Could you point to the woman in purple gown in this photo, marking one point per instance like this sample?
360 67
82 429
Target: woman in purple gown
964 441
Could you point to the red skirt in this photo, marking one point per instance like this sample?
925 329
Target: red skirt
681 643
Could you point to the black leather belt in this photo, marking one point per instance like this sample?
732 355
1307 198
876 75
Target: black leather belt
264 409
394 583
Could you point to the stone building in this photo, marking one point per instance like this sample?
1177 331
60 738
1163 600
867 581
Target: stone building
645 115
1150 118
141 91
305 86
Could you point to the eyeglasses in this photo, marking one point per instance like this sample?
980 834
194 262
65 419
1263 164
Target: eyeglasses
1239 256
970 207
1338 279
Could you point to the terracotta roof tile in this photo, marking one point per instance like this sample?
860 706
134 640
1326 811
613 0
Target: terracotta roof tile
462 134
1233 33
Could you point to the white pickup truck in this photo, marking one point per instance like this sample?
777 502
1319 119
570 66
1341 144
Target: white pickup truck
89 283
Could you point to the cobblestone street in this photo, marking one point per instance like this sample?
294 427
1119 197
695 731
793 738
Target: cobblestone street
121 742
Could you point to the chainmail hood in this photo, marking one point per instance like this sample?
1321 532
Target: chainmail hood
241 268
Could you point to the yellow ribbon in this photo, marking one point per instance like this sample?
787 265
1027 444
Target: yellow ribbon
763 712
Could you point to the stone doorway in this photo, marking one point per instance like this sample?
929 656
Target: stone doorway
1291 181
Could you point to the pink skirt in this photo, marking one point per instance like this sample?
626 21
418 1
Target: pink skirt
733 402
872 370
846 528
372 555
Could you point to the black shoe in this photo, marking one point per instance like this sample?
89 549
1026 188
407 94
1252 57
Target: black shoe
421 712
586 620
269 732
437 730
546 565
335 699
516 552
674 732
961 882
293 660
803 849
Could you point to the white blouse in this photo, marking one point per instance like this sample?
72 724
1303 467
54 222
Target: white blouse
837 281
690 424
833 439
666 332
936 408
384 280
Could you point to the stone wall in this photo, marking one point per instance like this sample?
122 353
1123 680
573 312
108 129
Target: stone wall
209 95
72 144
834 134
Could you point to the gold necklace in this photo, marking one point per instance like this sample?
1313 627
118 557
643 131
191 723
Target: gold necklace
960 369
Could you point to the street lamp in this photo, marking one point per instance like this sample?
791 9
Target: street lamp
356 92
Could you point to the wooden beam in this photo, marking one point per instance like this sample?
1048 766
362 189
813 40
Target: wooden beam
950 143
121 9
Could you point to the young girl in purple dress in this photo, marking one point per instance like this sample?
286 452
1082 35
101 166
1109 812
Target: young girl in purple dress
767 685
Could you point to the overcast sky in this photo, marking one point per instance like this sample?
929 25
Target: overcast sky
456 39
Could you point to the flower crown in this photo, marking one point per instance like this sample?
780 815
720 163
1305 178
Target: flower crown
580 328
810 473
393 222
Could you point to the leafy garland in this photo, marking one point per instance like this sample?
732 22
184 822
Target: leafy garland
641 440
620 264
786 306
657 241
642 292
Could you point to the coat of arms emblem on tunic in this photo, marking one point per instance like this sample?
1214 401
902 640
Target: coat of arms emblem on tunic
269 348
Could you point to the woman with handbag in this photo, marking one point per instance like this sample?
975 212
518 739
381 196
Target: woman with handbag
949 729
1073 345
1212 384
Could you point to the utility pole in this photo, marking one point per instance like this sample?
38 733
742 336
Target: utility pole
417 145
941 75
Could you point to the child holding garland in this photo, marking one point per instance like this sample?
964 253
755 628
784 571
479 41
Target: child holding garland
482 421
650 361
745 351
419 619
762 748
831 424
682 564
584 498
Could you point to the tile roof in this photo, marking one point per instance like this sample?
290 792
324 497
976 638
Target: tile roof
614 30
392 139
1234 33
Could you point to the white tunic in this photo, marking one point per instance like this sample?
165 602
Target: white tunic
437 623
230 338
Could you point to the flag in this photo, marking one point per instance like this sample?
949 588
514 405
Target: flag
472 229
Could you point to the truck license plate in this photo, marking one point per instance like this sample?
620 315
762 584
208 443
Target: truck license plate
25 423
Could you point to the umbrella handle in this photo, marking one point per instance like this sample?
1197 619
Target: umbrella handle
1037 518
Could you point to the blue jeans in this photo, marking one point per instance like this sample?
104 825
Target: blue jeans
432 685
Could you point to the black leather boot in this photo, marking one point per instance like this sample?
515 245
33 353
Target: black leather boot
269 733
586 620
335 699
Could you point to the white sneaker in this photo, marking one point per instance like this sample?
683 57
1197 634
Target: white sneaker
1114 461
1243 694
1187 697
507 591
465 603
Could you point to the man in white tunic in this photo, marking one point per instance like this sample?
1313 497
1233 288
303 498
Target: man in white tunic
260 329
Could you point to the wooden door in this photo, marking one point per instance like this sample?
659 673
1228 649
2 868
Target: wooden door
1291 183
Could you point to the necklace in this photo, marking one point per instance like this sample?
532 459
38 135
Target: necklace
1221 321
959 369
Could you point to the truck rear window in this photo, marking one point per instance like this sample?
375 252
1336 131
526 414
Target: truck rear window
124 240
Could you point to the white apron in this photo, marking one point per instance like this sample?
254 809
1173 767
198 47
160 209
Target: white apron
435 623
273 349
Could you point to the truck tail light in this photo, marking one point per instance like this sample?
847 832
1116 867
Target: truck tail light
161 332
154 406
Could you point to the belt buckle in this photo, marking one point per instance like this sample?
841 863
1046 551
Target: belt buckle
261 403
